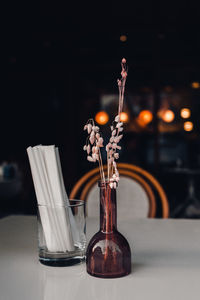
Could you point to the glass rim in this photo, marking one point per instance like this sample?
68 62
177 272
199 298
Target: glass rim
77 202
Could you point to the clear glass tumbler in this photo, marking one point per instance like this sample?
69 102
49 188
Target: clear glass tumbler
62 233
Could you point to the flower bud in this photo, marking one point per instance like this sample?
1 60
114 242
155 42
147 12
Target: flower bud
94 156
92 133
114 133
96 150
117 118
119 82
114 145
89 128
89 158
111 185
116 155
91 139
119 124
101 141
97 136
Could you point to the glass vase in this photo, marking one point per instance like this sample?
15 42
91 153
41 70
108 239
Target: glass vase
108 253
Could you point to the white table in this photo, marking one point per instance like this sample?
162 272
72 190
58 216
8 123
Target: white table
165 254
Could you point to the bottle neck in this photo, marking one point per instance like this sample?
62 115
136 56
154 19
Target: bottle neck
108 208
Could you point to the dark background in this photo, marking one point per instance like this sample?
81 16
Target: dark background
60 58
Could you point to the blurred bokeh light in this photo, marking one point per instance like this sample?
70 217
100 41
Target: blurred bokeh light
145 117
101 118
124 117
168 116
188 126
185 113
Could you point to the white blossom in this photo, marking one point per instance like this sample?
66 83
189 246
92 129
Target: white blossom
116 155
114 132
94 156
91 139
97 136
89 158
89 128
119 124
116 139
85 148
111 185
92 133
96 150
101 141
117 118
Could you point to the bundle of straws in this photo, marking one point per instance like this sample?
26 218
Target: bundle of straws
56 216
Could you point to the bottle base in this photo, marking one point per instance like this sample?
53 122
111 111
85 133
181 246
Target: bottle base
109 275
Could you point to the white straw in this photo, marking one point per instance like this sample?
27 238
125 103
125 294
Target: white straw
75 232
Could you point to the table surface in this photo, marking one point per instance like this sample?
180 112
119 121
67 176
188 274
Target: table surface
165 256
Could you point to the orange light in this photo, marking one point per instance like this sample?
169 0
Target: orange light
124 117
101 117
145 116
195 85
188 126
123 38
185 113
168 116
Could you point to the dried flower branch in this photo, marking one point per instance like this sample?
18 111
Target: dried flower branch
93 144
95 141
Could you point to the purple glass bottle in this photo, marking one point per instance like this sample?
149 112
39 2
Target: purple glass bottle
108 253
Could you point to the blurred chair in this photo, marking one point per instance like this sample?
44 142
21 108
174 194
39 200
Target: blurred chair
137 193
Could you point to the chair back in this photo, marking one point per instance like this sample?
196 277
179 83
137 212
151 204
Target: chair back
136 193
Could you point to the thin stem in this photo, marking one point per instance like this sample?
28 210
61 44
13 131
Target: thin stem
101 166
108 164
